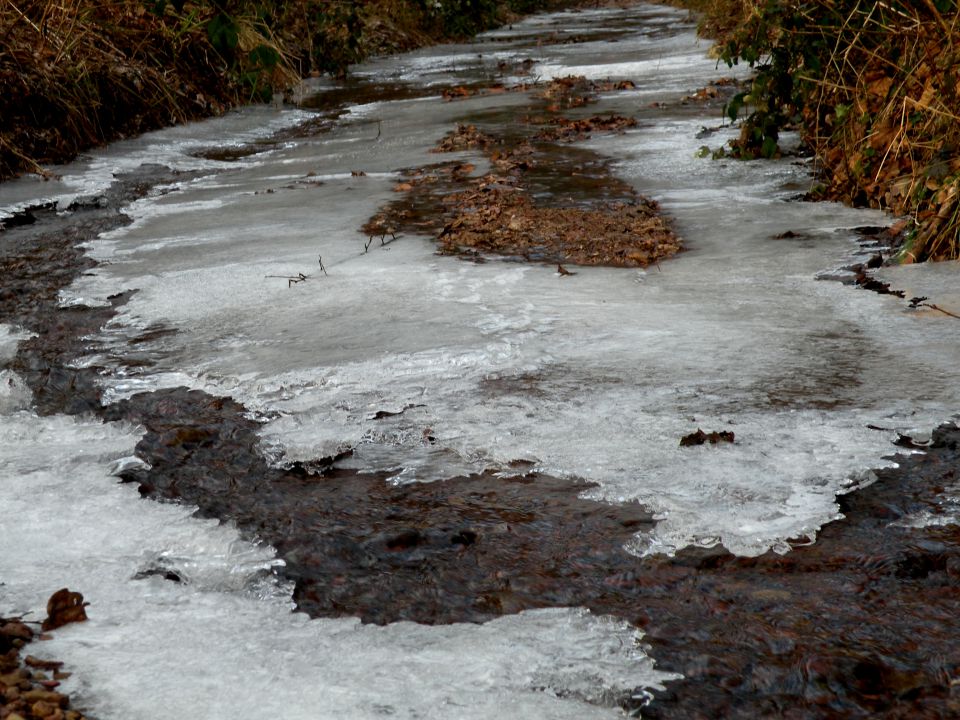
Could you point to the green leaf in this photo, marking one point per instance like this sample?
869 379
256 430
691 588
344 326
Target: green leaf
223 33
769 148
732 108
264 56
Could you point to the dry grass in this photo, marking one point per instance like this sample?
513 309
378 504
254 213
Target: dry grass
77 74
885 118
876 89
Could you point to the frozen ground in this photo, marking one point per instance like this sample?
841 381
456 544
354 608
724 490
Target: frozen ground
594 376
224 643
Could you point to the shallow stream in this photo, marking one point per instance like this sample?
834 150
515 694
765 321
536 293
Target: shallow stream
593 377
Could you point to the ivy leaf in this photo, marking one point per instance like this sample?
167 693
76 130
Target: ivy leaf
264 56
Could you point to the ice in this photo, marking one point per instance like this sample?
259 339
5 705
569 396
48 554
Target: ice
173 147
428 367
223 642
10 337
14 393
936 282
596 376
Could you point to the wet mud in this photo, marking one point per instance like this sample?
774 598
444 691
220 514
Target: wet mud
465 549
858 624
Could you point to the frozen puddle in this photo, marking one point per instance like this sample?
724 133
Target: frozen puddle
596 376
225 644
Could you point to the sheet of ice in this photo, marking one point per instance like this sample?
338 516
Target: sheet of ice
14 394
173 147
596 376
223 643
936 282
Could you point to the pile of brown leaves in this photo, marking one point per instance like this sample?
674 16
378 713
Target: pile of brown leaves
573 91
496 217
465 137
569 130
495 213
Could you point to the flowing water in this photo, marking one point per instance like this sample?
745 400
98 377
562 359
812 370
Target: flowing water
593 377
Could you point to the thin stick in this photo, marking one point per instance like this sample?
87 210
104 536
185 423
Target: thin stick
939 309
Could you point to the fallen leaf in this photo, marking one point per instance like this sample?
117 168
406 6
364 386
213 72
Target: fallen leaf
64 607
700 437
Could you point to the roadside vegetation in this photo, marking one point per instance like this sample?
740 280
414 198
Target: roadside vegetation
873 87
76 74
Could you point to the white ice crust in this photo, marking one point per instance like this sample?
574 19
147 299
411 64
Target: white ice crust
224 643
595 376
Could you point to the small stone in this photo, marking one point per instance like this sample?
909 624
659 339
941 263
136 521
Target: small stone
16 629
33 662
47 696
42 709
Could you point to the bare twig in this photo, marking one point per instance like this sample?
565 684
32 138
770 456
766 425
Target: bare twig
939 309
291 279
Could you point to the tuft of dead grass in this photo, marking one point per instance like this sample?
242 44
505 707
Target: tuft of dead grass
77 74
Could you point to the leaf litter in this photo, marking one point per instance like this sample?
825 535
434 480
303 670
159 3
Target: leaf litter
497 213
